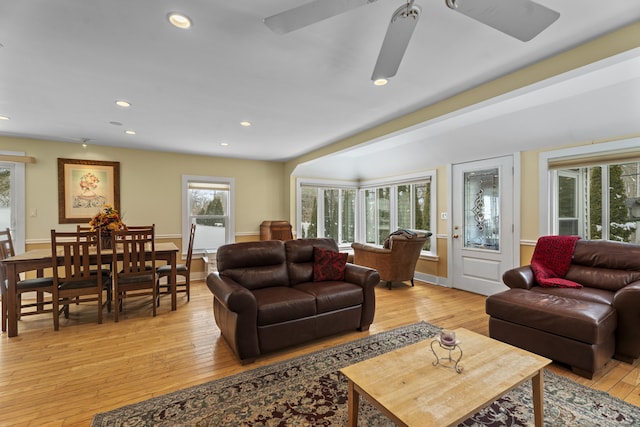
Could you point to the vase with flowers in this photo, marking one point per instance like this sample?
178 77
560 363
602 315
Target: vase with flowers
106 221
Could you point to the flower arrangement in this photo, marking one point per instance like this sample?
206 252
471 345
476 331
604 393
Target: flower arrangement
107 220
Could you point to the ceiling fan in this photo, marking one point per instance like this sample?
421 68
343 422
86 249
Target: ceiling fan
522 19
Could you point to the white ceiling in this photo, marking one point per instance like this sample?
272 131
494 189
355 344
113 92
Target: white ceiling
64 63
592 103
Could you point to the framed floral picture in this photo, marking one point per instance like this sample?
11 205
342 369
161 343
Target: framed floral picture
85 187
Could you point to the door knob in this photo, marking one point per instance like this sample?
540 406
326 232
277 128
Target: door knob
455 236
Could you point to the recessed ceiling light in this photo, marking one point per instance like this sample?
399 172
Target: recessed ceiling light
130 132
224 144
245 123
179 20
4 118
122 103
380 82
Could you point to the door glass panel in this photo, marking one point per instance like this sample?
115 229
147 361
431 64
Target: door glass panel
482 209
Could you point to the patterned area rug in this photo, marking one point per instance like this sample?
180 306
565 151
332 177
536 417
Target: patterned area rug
310 391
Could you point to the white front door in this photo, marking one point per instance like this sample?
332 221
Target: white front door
482 224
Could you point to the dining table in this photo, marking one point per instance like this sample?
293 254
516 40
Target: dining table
40 259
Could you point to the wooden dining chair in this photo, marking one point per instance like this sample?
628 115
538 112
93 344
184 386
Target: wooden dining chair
104 267
136 274
183 270
74 274
39 285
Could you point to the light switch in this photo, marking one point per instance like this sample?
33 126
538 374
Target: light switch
444 215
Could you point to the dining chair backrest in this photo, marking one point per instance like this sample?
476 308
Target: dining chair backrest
192 235
140 227
138 250
6 250
6 244
74 251
74 277
137 271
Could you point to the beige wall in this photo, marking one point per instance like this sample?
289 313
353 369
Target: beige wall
150 186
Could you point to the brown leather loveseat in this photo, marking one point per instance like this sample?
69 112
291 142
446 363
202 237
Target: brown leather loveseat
265 297
581 327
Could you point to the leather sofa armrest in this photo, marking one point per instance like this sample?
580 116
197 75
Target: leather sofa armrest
236 313
520 277
627 303
233 295
367 278
362 276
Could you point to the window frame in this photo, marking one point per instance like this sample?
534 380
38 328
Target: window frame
323 184
186 224
393 184
18 204
548 176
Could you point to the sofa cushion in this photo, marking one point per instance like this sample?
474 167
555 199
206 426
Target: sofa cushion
333 295
600 296
254 265
280 303
299 255
328 265
584 321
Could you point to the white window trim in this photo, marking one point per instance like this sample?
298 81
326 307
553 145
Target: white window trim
18 196
548 177
395 181
300 182
186 226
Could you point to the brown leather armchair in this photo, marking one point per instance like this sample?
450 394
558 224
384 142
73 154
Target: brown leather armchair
396 263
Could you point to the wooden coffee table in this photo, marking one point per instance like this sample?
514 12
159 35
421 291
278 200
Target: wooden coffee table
406 386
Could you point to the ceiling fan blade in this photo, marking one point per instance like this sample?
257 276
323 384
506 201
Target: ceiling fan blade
395 42
310 13
522 19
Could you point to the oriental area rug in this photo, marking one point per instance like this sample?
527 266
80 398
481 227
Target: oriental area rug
310 391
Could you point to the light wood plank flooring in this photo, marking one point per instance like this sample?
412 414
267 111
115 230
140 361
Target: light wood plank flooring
61 378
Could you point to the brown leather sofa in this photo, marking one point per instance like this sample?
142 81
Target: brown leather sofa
265 299
582 327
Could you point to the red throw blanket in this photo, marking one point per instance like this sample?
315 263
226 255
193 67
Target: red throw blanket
551 260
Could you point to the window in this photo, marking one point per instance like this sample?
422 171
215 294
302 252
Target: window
599 202
348 213
593 191
208 203
12 199
389 206
327 210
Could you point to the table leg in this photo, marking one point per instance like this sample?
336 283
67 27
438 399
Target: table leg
538 398
12 315
353 404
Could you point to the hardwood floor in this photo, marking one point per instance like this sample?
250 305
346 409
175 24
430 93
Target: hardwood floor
61 378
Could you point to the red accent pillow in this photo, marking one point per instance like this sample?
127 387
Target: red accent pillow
328 265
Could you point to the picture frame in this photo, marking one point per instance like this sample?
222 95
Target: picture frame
85 187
